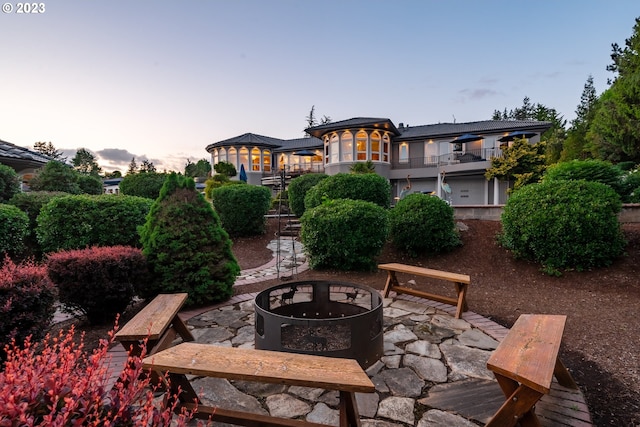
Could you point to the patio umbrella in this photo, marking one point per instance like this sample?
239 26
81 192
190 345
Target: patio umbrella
516 135
467 137
243 173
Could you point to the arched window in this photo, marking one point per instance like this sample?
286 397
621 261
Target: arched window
244 157
386 143
326 149
361 146
255 159
334 149
266 160
346 144
223 155
233 158
215 157
375 146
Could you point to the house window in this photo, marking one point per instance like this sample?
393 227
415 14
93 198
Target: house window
223 155
266 160
346 145
255 159
361 145
215 157
334 149
375 146
244 157
282 162
233 157
430 153
403 154
386 143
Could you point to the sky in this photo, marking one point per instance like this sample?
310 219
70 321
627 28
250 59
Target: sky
160 80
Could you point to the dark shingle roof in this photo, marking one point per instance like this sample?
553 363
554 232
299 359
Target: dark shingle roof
357 122
300 144
444 130
19 157
248 139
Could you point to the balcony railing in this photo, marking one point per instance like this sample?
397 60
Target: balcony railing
467 156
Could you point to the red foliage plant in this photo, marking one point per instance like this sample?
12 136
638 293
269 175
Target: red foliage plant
56 383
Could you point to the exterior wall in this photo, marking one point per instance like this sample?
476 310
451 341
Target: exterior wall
630 212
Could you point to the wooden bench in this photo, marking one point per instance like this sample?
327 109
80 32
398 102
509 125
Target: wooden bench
159 322
460 281
524 364
343 375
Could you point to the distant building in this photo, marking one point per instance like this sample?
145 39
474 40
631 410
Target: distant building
24 161
111 185
445 159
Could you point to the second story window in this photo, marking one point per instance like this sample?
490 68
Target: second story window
403 153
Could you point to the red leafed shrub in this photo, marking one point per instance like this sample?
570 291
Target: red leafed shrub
27 299
98 281
59 384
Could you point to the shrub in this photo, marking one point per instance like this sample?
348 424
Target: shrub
13 229
9 183
242 208
56 176
144 184
563 225
27 298
59 384
298 189
90 184
99 281
31 203
225 168
631 183
423 224
370 187
186 247
218 181
75 222
344 234
588 170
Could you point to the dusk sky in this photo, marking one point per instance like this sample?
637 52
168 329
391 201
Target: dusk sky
160 80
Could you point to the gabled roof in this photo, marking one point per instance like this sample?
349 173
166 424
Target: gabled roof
248 139
357 122
299 144
20 158
445 130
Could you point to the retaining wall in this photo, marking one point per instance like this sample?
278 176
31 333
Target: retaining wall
630 212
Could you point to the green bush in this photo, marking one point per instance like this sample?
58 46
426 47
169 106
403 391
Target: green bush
9 183
56 176
90 184
563 225
298 188
218 181
369 187
344 234
99 281
631 182
143 184
423 224
13 229
27 299
31 203
588 170
77 222
186 247
242 208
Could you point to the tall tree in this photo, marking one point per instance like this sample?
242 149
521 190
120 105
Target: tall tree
85 162
575 146
201 169
133 166
48 149
614 133
147 166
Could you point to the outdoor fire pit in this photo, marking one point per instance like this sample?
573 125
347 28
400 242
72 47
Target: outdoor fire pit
323 318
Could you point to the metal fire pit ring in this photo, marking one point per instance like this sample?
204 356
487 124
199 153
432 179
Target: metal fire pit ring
325 318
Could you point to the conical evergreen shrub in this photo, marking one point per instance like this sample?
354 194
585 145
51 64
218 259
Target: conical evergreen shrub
186 247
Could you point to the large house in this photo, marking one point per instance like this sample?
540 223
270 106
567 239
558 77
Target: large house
24 161
445 159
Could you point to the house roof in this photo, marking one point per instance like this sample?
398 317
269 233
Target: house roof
357 122
248 139
299 144
20 158
444 130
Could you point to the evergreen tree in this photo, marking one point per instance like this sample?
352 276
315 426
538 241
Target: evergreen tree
56 176
49 150
85 162
575 146
147 166
133 166
186 246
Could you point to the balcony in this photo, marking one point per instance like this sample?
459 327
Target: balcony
455 158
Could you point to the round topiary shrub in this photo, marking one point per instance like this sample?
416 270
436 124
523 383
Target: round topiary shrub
186 247
423 224
370 187
99 281
298 188
27 298
13 229
344 234
242 208
563 225
588 170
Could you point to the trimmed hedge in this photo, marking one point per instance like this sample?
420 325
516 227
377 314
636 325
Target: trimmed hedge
564 225
242 208
344 234
99 281
588 170
76 222
369 187
27 299
298 188
423 224
13 229
143 184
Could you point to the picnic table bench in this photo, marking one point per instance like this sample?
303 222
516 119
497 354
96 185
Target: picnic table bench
524 364
159 322
343 375
460 281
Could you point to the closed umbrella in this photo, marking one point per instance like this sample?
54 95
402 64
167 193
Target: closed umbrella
243 173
